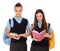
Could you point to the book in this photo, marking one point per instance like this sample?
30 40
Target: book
40 36
22 34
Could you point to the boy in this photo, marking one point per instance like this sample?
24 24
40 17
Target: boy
18 26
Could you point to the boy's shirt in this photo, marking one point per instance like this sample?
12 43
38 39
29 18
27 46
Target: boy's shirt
18 21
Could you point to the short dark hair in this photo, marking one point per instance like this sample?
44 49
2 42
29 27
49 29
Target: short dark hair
18 5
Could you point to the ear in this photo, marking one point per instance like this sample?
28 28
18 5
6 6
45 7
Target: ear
22 8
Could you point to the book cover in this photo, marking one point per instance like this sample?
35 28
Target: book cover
39 36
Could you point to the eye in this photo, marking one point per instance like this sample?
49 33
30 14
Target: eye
41 15
36 16
16 10
20 10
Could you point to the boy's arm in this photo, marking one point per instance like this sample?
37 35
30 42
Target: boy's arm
8 34
28 31
12 35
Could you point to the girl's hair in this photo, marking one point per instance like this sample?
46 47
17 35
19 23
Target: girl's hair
43 20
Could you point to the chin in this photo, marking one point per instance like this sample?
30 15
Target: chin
18 15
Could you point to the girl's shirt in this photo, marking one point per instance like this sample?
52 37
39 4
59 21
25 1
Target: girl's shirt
50 28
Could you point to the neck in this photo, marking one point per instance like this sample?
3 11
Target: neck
18 16
40 21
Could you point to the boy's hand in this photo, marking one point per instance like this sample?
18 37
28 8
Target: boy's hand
15 36
25 36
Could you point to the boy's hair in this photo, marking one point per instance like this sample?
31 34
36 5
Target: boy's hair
18 5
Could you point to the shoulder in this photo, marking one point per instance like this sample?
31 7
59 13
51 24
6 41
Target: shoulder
11 18
47 23
24 19
10 21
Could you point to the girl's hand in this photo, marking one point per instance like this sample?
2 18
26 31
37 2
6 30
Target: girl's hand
47 35
35 39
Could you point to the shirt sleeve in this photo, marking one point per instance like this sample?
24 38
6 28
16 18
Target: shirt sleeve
29 26
50 29
8 25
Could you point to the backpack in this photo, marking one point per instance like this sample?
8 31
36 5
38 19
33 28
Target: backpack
6 39
52 40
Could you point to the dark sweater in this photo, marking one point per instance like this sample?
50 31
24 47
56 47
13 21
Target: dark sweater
44 42
19 29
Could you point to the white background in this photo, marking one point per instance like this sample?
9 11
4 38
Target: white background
51 9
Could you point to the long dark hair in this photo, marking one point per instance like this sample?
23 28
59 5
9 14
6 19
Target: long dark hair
43 20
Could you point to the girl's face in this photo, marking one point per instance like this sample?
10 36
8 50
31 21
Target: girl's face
39 17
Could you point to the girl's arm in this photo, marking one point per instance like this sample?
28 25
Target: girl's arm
49 35
34 39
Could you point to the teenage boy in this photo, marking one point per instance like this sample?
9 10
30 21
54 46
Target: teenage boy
18 26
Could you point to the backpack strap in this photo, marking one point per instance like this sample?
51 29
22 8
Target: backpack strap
48 26
10 22
31 32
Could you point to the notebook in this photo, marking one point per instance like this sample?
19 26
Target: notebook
40 36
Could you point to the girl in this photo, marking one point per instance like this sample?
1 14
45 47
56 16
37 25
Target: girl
40 25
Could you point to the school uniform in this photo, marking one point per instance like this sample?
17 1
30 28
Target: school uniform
18 25
41 45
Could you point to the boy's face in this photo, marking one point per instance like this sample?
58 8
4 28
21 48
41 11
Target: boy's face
18 11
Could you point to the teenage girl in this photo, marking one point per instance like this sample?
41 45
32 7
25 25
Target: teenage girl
40 25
